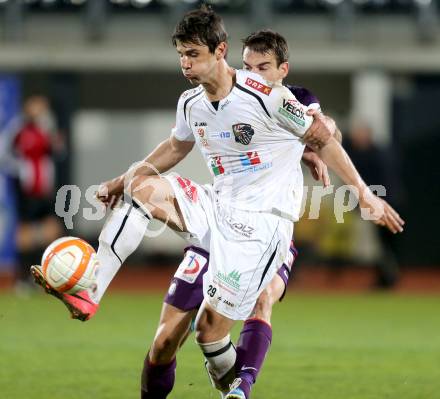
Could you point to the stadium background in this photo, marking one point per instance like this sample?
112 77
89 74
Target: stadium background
112 80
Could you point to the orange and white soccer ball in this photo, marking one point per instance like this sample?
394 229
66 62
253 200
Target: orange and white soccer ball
69 265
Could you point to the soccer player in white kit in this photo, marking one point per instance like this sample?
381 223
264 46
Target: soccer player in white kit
250 134
185 294
257 183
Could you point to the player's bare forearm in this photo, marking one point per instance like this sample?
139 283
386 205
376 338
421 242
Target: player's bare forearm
317 167
335 157
166 155
376 209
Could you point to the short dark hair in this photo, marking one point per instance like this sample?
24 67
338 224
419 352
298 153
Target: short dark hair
265 41
202 26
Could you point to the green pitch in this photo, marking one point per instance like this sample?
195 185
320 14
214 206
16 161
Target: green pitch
325 347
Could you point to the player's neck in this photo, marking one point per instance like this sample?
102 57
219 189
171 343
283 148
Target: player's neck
221 83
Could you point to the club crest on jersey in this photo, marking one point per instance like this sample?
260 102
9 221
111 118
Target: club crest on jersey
243 133
258 86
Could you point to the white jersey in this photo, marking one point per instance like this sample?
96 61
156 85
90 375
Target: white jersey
251 143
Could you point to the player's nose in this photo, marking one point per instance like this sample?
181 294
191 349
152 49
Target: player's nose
184 63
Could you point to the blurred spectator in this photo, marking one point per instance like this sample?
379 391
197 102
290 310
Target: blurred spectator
34 146
378 166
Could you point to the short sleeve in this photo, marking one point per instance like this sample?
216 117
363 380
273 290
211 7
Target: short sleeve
181 131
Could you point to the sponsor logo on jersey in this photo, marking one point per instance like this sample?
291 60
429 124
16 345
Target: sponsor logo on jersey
292 109
220 135
196 124
231 280
250 162
240 228
243 133
250 158
216 165
258 86
188 187
193 265
190 267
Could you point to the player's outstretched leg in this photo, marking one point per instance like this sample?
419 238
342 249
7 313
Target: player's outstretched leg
149 197
120 236
152 197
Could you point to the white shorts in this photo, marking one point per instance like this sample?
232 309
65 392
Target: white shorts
246 248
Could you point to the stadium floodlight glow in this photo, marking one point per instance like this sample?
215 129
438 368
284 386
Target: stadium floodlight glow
140 3
423 2
333 2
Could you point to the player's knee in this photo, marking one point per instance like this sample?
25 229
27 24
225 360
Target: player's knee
142 188
205 328
263 307
203 331
151 193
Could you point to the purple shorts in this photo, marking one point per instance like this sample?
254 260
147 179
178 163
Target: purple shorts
186 288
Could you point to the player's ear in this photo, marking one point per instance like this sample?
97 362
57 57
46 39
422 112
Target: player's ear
284 69
221 50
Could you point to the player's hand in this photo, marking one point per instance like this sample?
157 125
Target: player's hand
110 192
322 129
380 212
318 169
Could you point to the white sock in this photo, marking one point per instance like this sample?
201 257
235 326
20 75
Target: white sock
121 235
220 357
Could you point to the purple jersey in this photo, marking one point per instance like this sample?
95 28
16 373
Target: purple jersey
303 95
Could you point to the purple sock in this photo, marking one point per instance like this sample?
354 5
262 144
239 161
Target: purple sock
253 344
157 379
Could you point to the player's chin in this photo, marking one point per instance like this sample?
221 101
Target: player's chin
192 79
